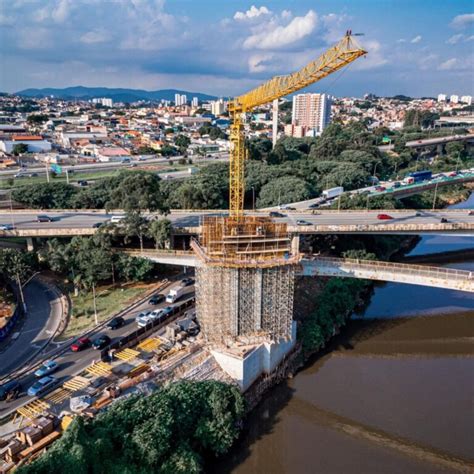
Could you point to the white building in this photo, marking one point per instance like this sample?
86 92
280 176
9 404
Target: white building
177 100
466 99
218 107
441 97
184 99
454 99
195 102
35 144
312 112
103 101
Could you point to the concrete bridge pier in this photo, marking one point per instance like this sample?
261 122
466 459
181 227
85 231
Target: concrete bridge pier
440 149
30 244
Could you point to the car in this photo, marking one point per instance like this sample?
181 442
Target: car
117 218
81 344
44 218
396 184
10 390
302 222
96 225
444 220
143 321
156 299
380 188
452 174
313 206
6 227
41 386
187 281
47 368
143 314
116 323
82 183
276 214
32 175
20 175
384 217
101 342
470 213
284 207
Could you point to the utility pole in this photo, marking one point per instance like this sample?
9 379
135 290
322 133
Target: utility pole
95 305
47 173
253 198
22 296
67 176
11 208
434 199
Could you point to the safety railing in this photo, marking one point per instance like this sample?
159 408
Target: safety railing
419 270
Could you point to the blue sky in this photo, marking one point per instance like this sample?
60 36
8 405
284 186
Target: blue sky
224 47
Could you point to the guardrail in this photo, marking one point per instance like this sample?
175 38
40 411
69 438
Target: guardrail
418 270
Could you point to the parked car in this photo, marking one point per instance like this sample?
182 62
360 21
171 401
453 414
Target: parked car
302 222
47 368
41 386
44 218
10 390
156 299
384 217
276 214
187 281
81 344
116 323
101 342
6 227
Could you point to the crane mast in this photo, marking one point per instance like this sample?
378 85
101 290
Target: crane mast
343 53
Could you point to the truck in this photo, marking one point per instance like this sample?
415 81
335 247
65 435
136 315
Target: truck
333 192
419 176
175 293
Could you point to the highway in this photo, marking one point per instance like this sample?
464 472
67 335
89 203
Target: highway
109 166
430 141
72 363
83 221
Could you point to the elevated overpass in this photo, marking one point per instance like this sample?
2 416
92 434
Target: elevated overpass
68 223
424 275
435 141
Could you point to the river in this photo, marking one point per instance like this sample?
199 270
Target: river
392 394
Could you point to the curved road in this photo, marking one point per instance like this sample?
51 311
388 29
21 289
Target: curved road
44 312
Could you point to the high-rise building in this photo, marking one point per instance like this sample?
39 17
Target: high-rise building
218 107
312 112
195 102
103 101
184 100
441 97
454 99
177 100
466 99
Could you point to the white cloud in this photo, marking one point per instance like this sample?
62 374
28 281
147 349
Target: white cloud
61 12
34 38
5 20
469 38
335 26
448 65
286 14
252 12
275 37
375 57
401 40
416 39
94 36
455 39
462 21
257 61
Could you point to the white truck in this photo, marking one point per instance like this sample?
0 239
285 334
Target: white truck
175 293
333 192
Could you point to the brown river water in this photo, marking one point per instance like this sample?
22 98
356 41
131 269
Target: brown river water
392 394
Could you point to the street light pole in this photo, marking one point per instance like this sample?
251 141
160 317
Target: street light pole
434 199
253 198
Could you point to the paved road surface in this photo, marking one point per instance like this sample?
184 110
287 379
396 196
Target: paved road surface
72 363
78 220
43 318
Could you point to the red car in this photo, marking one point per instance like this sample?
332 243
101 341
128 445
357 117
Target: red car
384 217
81 344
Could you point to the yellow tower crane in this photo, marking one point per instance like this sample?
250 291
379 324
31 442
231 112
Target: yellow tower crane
343 53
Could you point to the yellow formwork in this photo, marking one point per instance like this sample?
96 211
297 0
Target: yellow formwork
76 383
149 345
127 354
100 369
32 410
58 396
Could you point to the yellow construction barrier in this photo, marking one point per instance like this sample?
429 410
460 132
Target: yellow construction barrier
127 354
149 345
100 369
138 370
58 396
76 383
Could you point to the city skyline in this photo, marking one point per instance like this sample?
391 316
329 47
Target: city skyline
159 44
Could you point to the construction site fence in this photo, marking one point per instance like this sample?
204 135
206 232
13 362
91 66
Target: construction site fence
420 270
380 228
141 333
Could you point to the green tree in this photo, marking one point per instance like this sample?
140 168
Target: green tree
19 149
283 190
160 231
182 142
37 119
135 225
46 195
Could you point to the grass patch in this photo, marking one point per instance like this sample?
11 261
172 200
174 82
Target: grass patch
110 300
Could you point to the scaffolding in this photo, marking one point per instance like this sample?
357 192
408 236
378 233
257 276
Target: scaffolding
245 284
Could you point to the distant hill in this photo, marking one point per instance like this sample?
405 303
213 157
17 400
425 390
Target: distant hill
117 95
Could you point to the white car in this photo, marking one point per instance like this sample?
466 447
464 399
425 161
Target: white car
117 218
6 227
